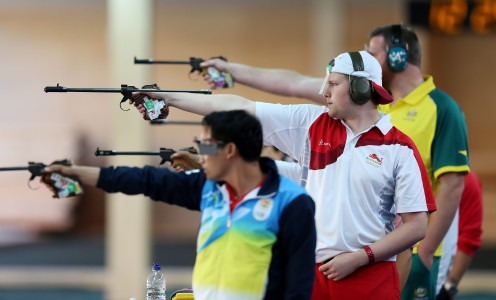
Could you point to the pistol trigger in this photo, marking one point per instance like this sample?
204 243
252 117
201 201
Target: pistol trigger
122 101
29 184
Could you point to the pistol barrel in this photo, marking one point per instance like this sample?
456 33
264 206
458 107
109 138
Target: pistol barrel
166 62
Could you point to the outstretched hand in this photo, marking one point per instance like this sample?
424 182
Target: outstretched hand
85 175
138 102
140 108
60 183
184 161
217 63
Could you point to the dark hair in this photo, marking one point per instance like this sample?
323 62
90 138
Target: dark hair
238 127
408 39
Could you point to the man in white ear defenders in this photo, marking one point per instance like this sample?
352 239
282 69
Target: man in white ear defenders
361 172
416 110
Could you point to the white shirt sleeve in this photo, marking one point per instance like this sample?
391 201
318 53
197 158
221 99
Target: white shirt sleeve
286 126
410 192
291 170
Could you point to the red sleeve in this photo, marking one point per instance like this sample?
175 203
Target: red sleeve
470 216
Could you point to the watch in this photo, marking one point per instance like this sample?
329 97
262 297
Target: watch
451 288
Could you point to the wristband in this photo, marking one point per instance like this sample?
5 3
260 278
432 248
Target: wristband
370 254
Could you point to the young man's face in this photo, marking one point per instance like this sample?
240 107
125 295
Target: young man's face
337 94
214 165
377 48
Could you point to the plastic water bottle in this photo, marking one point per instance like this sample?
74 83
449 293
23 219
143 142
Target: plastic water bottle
155 284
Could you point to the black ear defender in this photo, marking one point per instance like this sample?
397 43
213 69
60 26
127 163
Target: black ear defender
397 52
360 88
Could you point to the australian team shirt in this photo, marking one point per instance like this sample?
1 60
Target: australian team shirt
358 181
435 122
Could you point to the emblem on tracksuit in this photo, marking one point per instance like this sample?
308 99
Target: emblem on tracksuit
262 209
420 293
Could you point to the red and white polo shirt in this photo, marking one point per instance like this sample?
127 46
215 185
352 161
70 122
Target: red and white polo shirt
359 182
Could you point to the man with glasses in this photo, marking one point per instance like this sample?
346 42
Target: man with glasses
426 114
257 234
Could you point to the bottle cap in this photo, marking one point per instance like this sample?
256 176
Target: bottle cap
156 266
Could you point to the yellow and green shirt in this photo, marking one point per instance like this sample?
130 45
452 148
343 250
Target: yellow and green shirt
435 122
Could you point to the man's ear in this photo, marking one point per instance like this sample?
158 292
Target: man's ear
231 149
